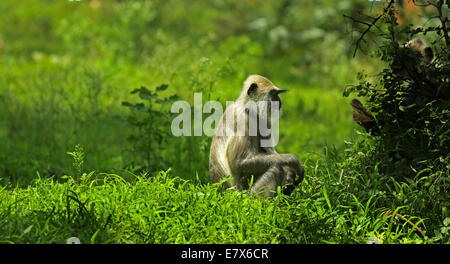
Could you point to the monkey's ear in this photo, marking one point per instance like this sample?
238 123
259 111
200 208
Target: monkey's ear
252 89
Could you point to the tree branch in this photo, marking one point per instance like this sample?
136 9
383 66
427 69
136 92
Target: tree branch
369 26
440 16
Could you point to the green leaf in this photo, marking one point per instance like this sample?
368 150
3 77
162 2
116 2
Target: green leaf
27 230
144 89
140 107
162 87
324 190
447 221
173 98
127 104
147 96
94 236
135 90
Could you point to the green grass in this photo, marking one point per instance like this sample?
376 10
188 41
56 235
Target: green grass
106 208
171 210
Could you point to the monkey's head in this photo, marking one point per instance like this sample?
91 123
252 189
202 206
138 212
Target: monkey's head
258 88
413 57
417 44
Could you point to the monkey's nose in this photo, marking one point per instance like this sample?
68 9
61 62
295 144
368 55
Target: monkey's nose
279 91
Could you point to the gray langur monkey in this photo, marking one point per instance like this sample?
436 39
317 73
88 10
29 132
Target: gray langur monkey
404 67
242 156
419 45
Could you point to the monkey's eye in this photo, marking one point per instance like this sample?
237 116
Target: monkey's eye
252 89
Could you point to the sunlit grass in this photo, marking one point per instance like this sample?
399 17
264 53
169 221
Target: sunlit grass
105 208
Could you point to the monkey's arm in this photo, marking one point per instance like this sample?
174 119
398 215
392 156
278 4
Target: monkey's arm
246 160
291 159
258 164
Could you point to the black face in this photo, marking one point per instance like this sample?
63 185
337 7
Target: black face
274 96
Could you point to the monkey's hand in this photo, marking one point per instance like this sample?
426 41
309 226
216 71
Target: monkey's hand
289 181
292 161
293 166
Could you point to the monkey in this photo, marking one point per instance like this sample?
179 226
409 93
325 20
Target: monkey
242 156
364 117
405 66
419 45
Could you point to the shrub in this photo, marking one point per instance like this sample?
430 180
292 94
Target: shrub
410 102
151 120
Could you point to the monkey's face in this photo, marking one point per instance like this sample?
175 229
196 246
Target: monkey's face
274 96
259 88
422 47
264 93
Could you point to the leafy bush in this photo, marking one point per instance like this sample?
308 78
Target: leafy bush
151 120
410 102
412 111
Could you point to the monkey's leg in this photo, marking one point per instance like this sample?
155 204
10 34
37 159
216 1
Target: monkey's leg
268 182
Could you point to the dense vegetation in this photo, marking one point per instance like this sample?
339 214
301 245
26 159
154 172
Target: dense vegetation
85 143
